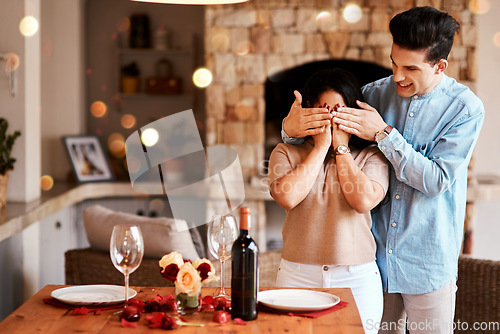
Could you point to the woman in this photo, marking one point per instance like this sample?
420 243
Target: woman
328 185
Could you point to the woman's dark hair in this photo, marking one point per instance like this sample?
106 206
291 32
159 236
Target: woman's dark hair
425 28
340 81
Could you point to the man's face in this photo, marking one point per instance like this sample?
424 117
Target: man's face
412 73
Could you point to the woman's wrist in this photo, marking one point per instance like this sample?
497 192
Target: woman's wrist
321 148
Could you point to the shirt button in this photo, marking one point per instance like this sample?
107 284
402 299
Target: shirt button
390 251
325 268
411 114
415 97
393 225
382 148
397 197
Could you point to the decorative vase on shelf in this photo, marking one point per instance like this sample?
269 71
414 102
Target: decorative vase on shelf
4 179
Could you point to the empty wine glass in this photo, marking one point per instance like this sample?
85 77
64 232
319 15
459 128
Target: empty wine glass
222 232
126 249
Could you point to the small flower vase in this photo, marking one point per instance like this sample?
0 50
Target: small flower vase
186 304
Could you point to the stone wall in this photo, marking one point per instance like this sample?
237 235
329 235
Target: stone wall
246 43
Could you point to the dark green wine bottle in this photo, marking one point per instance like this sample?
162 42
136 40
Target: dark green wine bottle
245 273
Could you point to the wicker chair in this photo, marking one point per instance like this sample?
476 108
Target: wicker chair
478 295
87 266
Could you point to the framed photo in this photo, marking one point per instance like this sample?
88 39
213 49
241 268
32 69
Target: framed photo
87 158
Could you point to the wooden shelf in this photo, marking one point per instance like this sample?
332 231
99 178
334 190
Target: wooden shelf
153 52
142 96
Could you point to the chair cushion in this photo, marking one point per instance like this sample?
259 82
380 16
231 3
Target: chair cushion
160 233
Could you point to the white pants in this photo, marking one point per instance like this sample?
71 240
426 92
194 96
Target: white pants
364 281
431 312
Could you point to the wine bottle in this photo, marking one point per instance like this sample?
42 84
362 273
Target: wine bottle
245 274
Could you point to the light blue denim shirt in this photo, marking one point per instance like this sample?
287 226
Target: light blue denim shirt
419 230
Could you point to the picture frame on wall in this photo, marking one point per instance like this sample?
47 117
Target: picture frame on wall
87 158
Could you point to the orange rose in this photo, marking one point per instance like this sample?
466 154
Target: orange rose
188 280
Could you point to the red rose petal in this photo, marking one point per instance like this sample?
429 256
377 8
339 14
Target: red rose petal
80 311
240 321
127 324
221 317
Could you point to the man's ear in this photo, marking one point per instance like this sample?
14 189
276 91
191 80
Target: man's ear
441 66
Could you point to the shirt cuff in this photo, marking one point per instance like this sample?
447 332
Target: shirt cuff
289 140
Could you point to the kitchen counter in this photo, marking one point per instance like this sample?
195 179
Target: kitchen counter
15 217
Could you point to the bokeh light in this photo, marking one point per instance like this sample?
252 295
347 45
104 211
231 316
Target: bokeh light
123 24
128 121
28 26
202 77
496 39
157 205
11 61
149 137
479 6
244 47
47 48
324 15
352 13
220 41
324 20
98 109
116 145
46 182
133 164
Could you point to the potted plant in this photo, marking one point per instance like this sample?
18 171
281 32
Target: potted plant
6 161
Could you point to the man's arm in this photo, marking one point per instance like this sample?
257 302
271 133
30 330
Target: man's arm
432 173
301 122
436 171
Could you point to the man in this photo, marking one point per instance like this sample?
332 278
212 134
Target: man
426 124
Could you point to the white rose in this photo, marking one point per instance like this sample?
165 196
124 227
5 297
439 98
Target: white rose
210 275
173 257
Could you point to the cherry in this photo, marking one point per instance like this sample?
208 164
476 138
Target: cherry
131 313
220 304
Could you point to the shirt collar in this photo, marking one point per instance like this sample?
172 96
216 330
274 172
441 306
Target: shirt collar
437 90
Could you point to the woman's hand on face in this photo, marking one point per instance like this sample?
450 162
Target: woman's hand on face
339 137
324 139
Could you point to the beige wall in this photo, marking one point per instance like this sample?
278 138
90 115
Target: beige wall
487 151
22 110
63 81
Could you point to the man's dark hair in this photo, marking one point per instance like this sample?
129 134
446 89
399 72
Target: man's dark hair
340 81
425 28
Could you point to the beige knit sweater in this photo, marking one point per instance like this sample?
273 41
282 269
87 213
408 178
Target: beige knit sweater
324 228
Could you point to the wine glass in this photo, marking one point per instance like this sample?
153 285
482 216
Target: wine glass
221 233
126 249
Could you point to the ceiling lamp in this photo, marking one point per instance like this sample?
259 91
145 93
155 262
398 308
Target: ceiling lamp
194 2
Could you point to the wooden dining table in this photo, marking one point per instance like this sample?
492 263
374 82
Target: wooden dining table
36 316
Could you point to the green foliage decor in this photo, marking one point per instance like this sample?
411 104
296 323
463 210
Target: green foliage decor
6 144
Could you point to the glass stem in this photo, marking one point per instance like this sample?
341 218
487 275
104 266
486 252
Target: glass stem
222 290
126 289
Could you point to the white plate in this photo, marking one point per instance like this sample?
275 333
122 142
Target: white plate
92 294
297 300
